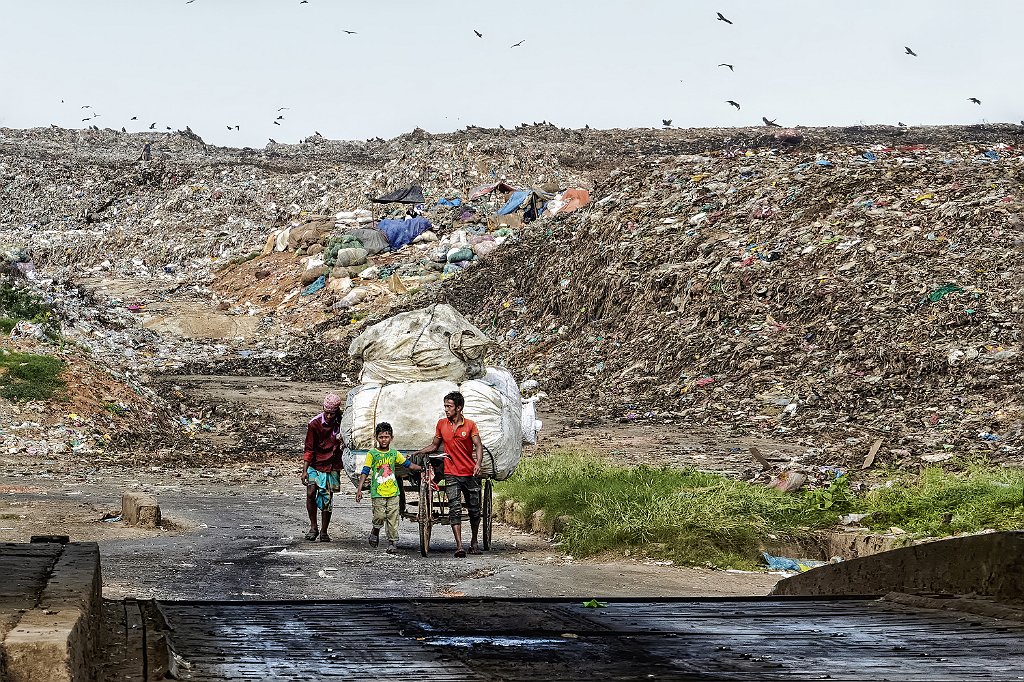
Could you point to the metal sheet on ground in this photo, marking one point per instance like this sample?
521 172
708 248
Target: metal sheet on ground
558 639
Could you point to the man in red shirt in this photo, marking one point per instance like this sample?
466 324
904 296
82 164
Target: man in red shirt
464 451
321 465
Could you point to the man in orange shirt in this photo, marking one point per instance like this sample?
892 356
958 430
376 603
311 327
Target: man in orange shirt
464 451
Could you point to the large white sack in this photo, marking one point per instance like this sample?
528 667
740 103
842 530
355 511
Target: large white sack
412 409
495 404
428 344
531 425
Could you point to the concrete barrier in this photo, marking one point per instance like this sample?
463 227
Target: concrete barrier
988 564
57 640
140 509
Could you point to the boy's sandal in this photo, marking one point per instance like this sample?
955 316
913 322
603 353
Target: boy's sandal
311 535
460 554
475 550
324 537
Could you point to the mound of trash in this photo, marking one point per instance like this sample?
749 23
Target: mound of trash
859 298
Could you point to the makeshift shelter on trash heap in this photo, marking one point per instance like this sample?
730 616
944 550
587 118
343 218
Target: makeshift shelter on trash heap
413 194
531 201
483 190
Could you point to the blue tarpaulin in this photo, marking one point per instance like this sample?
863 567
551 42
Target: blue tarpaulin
402 232
514 201
449 202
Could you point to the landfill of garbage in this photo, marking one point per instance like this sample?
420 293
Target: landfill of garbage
848 289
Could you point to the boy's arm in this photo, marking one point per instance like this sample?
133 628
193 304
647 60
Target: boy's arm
359 486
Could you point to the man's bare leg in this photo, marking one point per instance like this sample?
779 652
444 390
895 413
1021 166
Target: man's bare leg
311 509
325 518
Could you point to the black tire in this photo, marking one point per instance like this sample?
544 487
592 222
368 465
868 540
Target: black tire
488 513
424 512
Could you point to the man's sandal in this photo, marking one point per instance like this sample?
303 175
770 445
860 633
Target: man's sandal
324 537
373 539
312 535
460 554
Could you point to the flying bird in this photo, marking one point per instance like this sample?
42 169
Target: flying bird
89 118
351 33
85 106
168 127
909 51
152 126
280 118
189 2
722 18
519 43
974 99
135 118
666 122
732 104
770 124
729 65
478 33
276 123
282 108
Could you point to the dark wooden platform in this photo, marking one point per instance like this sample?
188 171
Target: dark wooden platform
749 639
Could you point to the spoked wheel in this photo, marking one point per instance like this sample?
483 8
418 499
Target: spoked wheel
488 513
425 513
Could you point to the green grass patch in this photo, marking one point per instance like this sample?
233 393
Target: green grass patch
938 502
17 303
700 518
24 376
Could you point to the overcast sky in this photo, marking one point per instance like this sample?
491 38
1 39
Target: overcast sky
214 63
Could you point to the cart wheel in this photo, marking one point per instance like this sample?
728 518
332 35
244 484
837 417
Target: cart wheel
488 513
425 514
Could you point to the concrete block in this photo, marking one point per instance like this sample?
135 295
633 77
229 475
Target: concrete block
140 509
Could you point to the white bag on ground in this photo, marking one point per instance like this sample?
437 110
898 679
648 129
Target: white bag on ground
421 345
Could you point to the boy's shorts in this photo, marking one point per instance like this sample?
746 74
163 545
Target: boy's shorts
455 487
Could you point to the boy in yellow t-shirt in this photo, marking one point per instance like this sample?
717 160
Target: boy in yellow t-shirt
380 467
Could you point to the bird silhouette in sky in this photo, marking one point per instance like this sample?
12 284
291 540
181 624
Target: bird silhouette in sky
909 51
168 127
974 99
152 126
729 65
304 2
277 123
89 118
478 33
666 122
317 133
282 108
721 17
770 124
519 43
135 118
280 118
85 106
732 104
351 33
189 2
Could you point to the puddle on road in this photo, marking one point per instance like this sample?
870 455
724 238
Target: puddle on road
532 642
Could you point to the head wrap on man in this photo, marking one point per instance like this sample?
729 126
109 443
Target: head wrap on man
332 402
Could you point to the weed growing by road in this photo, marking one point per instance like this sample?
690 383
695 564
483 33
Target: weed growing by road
699 518
25 376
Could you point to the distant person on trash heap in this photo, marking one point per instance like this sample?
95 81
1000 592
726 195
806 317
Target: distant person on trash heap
321 466
464 452
379 466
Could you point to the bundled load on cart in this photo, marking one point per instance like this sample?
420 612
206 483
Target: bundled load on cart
410 362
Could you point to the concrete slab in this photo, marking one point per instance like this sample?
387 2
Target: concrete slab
55 639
